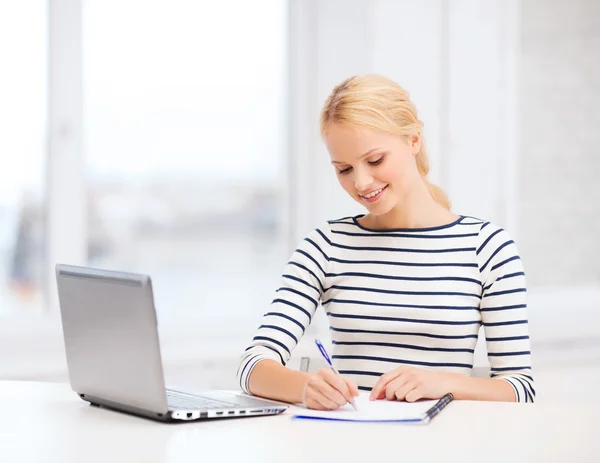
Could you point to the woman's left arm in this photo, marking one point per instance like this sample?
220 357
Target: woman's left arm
504 314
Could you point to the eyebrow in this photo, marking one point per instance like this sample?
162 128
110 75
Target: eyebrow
360 157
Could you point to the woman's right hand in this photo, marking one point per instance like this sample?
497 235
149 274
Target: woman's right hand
327 391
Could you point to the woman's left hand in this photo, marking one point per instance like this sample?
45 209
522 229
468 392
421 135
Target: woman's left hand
411 384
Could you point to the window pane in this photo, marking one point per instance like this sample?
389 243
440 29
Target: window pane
184 136
23 54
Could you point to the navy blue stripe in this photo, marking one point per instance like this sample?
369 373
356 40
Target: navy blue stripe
246 366
484 225
405 333
510 368
364 388
402 235
309 271
470 223
327 240
318 248
306 254
402 346
409 320
300 280
487 240
342 220
516 389
299 293
511 322
527 393
274 341
390 230
520 375
510 259
504 307
278 328
405 264
251 364
393 277
390 291
510 275
276 351
423 251
508 338
528 380
359 372
500 248
413 306
296 306
526 376
403 361
293 320
508 291
507 354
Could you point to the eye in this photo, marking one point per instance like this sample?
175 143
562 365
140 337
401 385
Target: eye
344 171
376 162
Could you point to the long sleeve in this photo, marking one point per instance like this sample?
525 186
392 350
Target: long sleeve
504 310
293 307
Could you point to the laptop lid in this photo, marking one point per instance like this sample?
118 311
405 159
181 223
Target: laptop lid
111 337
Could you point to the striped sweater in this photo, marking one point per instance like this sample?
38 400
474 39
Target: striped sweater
404 297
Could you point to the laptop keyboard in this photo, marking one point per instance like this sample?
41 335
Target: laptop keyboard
180 401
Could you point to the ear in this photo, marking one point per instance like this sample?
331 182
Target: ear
414 142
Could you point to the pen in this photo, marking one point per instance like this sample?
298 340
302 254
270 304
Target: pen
324 354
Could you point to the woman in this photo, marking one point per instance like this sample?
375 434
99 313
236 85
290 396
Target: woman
405 287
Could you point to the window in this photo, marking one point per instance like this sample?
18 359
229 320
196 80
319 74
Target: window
184 116
22 144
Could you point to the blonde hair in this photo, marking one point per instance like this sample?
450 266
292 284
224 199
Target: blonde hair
379 103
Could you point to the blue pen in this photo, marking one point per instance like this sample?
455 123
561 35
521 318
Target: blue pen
326 355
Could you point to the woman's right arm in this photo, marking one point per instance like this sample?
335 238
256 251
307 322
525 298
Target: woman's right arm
272 380
262 369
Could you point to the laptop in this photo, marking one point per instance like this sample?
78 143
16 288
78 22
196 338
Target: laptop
113 352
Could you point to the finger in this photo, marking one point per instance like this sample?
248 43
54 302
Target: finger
382 382
416 394
328 391
324 401
352 386
337 383
314 404
405 389
393 386
314 398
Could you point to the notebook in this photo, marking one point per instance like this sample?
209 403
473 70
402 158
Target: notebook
379 411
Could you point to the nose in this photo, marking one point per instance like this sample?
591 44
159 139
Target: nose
362 180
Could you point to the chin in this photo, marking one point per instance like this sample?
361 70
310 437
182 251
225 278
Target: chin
380 209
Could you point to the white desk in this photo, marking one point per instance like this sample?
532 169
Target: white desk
47 422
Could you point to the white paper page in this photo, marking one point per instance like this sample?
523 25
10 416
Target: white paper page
377 410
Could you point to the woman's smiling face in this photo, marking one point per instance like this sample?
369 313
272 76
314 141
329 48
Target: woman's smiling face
376 169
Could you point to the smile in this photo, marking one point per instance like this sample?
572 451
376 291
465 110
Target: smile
373 195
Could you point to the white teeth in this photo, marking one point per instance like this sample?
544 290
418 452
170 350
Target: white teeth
373 193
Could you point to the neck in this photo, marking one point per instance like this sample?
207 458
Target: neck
417 209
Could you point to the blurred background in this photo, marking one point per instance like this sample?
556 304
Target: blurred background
180 139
